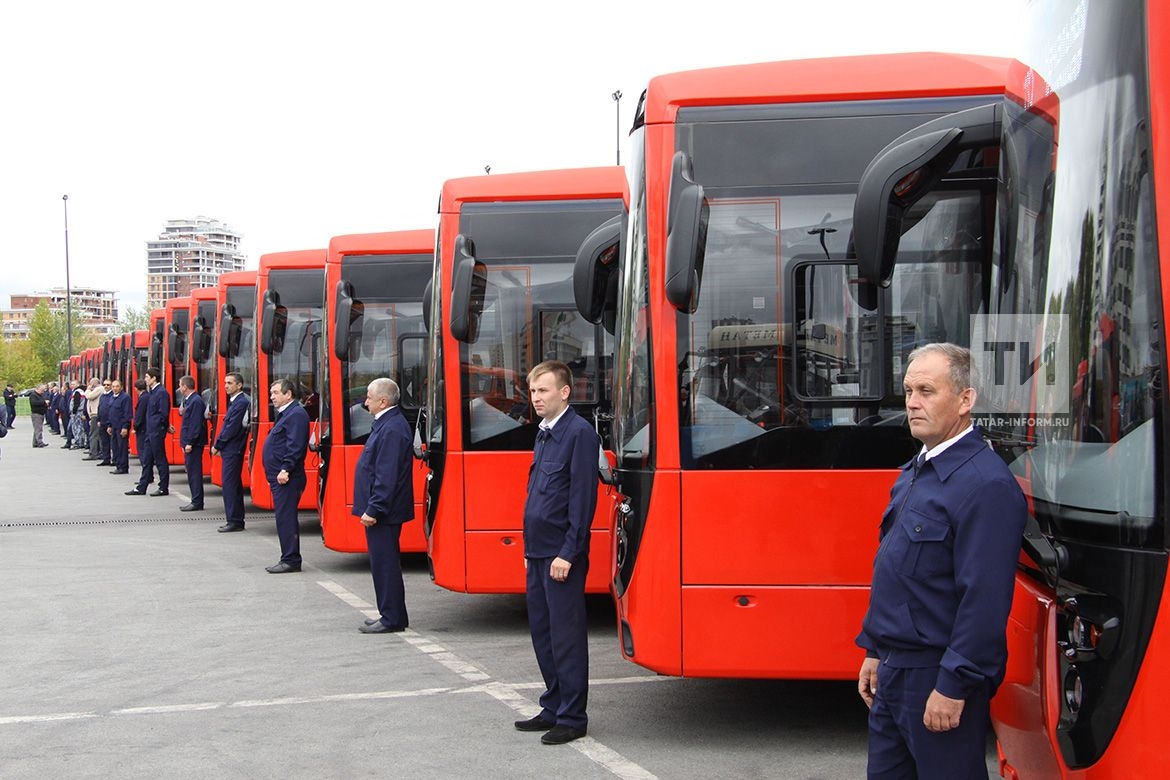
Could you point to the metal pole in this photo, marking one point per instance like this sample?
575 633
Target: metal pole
617 103
68 288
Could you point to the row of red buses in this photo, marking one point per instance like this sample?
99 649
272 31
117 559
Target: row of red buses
290 305
501 302
375 287
1069 236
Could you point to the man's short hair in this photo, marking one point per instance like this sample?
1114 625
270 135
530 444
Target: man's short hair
140 385
561 373
187 382
154 372
958 360
286 386
236 375
385 387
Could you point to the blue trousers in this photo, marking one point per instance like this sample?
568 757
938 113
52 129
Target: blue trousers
120 451
284 500
193 462
560 637
154 456
386 568
900 747
233 487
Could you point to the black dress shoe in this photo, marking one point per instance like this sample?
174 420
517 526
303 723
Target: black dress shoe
136 492
119 471
160 492
191 508
281 568
534 724
378 627
65 446
559 735
228 528
103 463
90 457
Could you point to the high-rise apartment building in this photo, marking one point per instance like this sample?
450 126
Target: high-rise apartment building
95 309
189 253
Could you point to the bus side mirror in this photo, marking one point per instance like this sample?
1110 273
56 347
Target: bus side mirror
467 291
686 238
426 311
595 273
172 345
268 328
606 462
899 175
201 347
227 318
342 320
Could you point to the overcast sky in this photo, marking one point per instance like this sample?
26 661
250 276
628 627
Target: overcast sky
296 121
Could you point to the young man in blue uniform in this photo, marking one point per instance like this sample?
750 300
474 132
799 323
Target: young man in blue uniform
934 635
104 423
562 496
383 499
118 415
193 438
284 467
230 445
158 424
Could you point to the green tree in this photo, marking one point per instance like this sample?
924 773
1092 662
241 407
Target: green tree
133 319
17 364
49 342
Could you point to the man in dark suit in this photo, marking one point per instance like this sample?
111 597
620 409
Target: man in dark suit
562 497
284 467
383 499
230 445
10 402
104 423
193 438
140 423
118 414
158 416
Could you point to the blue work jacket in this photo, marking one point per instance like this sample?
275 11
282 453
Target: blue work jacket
287 442
158 412
562 490
382 483
233 434
118 413
945 570
193 431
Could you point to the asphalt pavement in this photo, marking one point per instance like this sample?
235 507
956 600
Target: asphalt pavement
137 642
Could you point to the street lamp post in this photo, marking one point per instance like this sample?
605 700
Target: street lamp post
617 104
68 288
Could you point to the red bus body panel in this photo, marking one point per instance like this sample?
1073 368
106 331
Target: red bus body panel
171 373
231 280
340 530
261 492
476 540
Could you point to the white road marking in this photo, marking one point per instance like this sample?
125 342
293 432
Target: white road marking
507 694
56 716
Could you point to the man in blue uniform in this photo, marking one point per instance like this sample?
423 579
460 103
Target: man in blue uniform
193 438
140 423
230 445
383 499
284 468
158 423
934 635
118 414
562 496
104 423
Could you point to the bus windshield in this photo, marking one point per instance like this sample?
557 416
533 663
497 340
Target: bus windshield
790 361
528 315
296 337
242 355
387 337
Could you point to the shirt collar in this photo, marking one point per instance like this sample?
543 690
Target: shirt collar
547 425
280 409
388 408
939 449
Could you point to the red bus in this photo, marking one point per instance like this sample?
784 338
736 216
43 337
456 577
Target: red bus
755 440
176 365
501 303
204 318
236 346
290 295
158 339
139 360
1076 278
374 290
